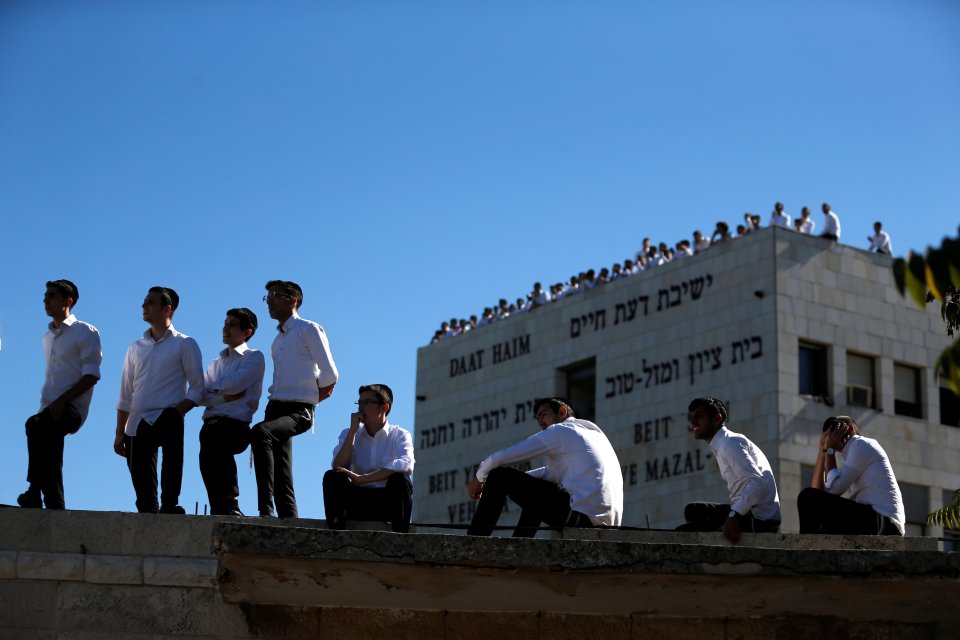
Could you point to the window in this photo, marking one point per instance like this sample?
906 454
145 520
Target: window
860 386
906 391
951 538
579 386
949 407
812 369
916 505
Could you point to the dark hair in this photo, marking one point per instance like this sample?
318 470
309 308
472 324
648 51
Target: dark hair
66 288
246 318
383 393
834 421
554 404
287 288
167 296
712 405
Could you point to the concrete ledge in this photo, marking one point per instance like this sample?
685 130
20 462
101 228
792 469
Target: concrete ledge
180 572
791 541
114 569
8 565
49 566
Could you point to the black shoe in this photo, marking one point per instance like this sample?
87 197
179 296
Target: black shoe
30 499
176 510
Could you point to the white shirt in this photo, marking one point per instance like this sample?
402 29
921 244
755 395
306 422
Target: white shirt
236 371
72 351
703 244
808 226
390 448
155 376
881 243
780 219
867 473
580 459
302 363
541 298
831 224
748 475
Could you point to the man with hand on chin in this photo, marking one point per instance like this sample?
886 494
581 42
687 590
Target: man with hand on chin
876 507
233 382
153 401
73 355
372 464
754 504
304 375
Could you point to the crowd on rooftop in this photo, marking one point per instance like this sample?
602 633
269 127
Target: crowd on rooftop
652 255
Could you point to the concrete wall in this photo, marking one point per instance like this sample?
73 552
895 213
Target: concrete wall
86 575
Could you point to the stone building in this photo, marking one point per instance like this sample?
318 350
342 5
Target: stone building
786 329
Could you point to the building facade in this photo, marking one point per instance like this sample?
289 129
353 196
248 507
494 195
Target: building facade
786 329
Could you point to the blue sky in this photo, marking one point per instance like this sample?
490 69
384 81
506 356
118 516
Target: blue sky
409 162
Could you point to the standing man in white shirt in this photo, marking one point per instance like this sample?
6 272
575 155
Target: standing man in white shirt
754 503
233 384
581 484
372 465
880 240
831 223
153 401
806 224
72 351
304 375
876 507
779 217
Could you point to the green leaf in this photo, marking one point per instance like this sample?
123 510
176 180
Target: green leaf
917 279
900 274
937 273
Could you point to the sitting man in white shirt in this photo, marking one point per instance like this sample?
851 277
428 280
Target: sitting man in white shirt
372 465
831 223
580 486
754 504
233 383
876 507
806 224
880 240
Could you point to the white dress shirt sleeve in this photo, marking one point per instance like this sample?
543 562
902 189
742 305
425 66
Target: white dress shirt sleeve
838 481
738 456
319 347
192 362
249 370
90 354
125 402
536 445
403 452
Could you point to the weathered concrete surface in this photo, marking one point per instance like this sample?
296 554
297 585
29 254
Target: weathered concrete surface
140 576
457 573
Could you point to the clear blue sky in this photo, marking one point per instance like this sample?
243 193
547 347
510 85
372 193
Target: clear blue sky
411 161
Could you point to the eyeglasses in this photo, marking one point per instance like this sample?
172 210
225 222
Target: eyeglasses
273 295
363 403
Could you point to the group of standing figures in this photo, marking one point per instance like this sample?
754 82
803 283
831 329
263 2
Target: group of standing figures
581 483
163 378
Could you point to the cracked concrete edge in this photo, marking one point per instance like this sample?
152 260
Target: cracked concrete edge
573 555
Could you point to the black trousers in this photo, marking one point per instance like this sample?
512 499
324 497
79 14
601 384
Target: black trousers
823 512
343 500
221 439
710 516
540 501
166 433
272 448
45 452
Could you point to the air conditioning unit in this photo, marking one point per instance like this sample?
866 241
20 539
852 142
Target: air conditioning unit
859 395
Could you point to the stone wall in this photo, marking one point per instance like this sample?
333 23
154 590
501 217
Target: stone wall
85 575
